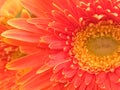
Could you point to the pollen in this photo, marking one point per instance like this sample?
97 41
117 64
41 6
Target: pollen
97 47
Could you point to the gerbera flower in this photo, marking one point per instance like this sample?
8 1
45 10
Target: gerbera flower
73 45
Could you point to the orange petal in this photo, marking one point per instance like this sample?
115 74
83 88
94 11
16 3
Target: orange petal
69 73
57 45
21 23
82 85
117 71
44 6
28 50
114 77
43 69
77 81
91 82
30 61
48 39
39 82
57 58
108 84
24 79
100 77
88 78
58 67
21 35
40 21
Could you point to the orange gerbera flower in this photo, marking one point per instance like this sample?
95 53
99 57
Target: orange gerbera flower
73 45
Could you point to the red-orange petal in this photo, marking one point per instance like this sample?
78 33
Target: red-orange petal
39 82
33 60
100 77
22 24
21 35
44 6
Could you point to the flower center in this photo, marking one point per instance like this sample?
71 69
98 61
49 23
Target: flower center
97 48
102 46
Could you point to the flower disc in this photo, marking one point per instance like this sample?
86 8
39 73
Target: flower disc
97 47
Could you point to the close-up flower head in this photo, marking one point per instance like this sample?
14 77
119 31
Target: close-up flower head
61 45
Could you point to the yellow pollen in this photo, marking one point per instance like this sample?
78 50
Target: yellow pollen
97 47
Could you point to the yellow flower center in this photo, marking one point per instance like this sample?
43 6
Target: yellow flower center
97 48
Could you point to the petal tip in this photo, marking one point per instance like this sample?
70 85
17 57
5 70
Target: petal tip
9 66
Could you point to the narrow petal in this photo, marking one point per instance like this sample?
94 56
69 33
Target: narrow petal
28 49
33 60
114 77
58 77
39 21
117 71
108 84
77 81
39 82
43 69
44 6
69 74
57 45
48 39
88 78
24 79
100 78
58 67
82 85
57 58
21 35
91 84
22 23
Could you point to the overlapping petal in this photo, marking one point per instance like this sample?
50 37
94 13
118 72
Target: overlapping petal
50 32
8 52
